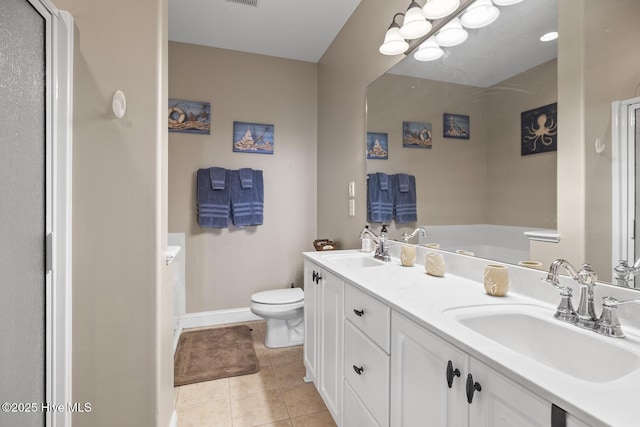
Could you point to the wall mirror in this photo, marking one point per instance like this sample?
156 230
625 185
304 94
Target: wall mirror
483 176
487 179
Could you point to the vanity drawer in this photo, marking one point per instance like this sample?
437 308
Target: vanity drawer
355 413
370 315
366 370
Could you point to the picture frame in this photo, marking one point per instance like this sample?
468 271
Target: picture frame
377 146
417 135
251 137
456 126
539 130
189 116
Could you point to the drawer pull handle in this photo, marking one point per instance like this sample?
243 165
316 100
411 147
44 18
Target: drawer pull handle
358 313
451 373
358 370
318 278
472 387
314 275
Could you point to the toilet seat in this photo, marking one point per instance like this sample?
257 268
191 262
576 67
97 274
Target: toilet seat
278 296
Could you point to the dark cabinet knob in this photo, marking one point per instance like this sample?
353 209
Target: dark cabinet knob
358 369
358 313
472 387
451 373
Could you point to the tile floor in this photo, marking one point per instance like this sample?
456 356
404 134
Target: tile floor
274 397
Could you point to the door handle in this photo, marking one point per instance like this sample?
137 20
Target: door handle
472 387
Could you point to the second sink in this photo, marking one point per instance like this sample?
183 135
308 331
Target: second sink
533 332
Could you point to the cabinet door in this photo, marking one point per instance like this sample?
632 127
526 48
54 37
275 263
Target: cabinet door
419 390
503 403
355 413
331 326
311 321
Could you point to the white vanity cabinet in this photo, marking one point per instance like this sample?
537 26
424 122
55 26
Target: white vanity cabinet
422 365
323 316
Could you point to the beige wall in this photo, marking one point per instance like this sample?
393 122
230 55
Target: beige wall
481 180
225 266
350 64
121 339
521 190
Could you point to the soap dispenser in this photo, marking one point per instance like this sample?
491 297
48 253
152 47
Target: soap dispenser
367 243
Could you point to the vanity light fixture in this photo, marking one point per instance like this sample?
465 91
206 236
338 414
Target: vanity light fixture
441 22
429 50
393 43
480 14
452 34
549 36
415 25
438 9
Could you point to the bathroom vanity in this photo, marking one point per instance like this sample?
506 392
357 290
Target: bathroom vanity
388 345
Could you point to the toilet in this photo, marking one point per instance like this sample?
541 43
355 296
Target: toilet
283 311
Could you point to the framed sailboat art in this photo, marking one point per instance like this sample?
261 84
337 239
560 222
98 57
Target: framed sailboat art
253 138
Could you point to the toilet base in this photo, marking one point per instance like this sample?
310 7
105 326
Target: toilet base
284 333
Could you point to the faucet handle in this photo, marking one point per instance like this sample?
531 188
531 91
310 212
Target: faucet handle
565 310
608 324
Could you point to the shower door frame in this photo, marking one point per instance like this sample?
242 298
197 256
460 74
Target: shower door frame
58 174
623 129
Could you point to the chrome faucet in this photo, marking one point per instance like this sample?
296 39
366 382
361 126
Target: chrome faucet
608 323
585 315
406 236
382 251
624 273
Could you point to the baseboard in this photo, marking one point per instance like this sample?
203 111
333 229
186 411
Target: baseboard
174 420
217 317
176 338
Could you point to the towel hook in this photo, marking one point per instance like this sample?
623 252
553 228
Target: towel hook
599 146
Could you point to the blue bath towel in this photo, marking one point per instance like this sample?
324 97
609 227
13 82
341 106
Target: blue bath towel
212 205
247 204
404 204
379 201
218 178
246 178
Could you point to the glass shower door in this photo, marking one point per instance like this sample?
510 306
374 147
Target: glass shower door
23 192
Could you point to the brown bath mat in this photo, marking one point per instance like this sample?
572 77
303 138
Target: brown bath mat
210 354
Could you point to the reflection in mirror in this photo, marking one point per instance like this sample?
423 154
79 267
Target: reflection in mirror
626 248
483 177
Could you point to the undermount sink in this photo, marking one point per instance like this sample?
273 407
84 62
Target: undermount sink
353 260
533 332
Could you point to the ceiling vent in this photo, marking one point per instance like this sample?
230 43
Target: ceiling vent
253 3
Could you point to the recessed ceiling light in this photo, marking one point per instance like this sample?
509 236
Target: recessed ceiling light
549 36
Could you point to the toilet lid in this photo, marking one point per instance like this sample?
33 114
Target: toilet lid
278 296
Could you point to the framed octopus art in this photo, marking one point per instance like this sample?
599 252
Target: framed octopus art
539 130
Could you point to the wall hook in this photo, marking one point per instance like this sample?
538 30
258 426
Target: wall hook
119 104
599 146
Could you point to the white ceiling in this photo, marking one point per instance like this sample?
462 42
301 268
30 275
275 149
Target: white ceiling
294 29
492 54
